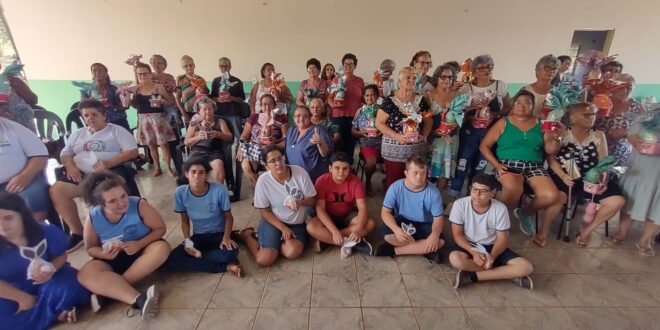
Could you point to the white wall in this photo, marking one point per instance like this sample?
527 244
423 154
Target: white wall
59 39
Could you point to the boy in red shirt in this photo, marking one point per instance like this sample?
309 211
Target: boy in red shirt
341 209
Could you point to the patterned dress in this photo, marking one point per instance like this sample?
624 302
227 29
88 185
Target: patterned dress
444 149
392 150
619 148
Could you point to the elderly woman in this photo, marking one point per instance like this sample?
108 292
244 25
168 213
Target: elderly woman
158 76
283 195
518 160
187 86
343 111
260 129
312 87
328 73
154 129
19 103
470 160
422 63
308 146
546 70
282 94
320 117
124 236
388 84
24 158
205 138
445 143
99 146
370 142
104 91
565 64
585 147
44 297
641 187
620 119
404 126
228 101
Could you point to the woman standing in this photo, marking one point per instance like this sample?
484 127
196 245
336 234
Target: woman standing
312 87
104 91
422 63
158 65
546 70
282 94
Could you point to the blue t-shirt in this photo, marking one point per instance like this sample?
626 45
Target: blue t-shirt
301 152
206 212
406 203
129 228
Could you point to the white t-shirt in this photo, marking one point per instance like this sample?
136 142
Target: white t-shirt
502 90
480 228
270 193
17 144
88 148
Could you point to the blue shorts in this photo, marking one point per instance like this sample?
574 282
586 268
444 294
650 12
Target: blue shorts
271 238
35 194
501 260
423 229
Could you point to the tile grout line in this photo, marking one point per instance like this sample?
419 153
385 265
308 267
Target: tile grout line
263 292
357 278
222 275
407 293
311 290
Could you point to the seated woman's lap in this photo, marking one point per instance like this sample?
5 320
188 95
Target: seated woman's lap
35 194
613 189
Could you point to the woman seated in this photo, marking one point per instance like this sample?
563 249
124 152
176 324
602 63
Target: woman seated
364 128
34 294
99 146
24 158
546 69
260 129
124 237
205 138
585 147
518 160
320 117
283 196
405 129
206 206
308 146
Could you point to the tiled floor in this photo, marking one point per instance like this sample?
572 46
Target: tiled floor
592 288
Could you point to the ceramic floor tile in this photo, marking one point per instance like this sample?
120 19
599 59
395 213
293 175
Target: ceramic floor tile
571 290
303 264
389 318
113 317
329 290
600 318
480 294
335 318
230 318
186 290
618 290
421 265
174 319
239 292
648 283
545 260
542 295
442 318
382 290
642 317
550 318
494 318
433 290
625 260
329 262
83 314
282 318
376 264
287 290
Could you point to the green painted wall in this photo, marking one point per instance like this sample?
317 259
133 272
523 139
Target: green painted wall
58 95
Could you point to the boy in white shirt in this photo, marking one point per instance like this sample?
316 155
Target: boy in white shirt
480 228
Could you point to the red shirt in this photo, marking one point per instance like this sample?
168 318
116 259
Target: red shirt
339 198
352 98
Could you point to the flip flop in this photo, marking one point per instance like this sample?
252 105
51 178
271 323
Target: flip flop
611 241
645 251
240 233
581 242
540 243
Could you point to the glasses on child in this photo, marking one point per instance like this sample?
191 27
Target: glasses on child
275 160
480 191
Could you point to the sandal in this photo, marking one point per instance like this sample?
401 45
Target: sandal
69 316
156 173
581 242
235 269
611 241
539 242
645 251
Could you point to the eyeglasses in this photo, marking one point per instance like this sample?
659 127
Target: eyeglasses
275 160
225 65
142 73
425 63
443 77
550 68
485 68
480 191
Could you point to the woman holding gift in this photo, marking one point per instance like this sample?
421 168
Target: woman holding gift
158 65
260 130
328 73
641 183
546 70
585 147
314 86
320 117
103 90
518 160
187 87
624 111
308 146
364 128
270 84
422 63
404 125
154 129
124 237
34 294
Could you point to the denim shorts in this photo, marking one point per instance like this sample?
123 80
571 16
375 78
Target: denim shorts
422 229
271 238
501 260
35 194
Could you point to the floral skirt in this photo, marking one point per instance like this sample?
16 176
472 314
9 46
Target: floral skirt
443 159
154 128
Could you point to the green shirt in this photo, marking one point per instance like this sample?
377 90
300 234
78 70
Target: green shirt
515 144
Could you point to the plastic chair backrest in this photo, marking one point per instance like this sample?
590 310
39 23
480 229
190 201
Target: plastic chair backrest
46 120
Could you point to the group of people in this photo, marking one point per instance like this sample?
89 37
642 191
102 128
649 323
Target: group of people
304 183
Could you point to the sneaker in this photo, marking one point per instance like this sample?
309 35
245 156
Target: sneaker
75 241
525 282
320 246
384 250
364 247
433 257
147 303
527 225
97 302
462 278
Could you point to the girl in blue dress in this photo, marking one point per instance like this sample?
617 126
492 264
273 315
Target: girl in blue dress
47 296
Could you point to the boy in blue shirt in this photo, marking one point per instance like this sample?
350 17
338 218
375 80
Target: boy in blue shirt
206 206
413 215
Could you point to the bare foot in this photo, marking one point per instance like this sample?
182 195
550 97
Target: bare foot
172 172
157 172
68 316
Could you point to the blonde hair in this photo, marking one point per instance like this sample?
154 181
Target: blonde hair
405 69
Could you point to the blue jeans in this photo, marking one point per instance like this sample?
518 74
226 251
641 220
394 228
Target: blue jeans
470 162
214 259
35 194
347 142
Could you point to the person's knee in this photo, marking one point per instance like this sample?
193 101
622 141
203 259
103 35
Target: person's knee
158 249
615 202
292 249
526 267
313 226
265 259
457 259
